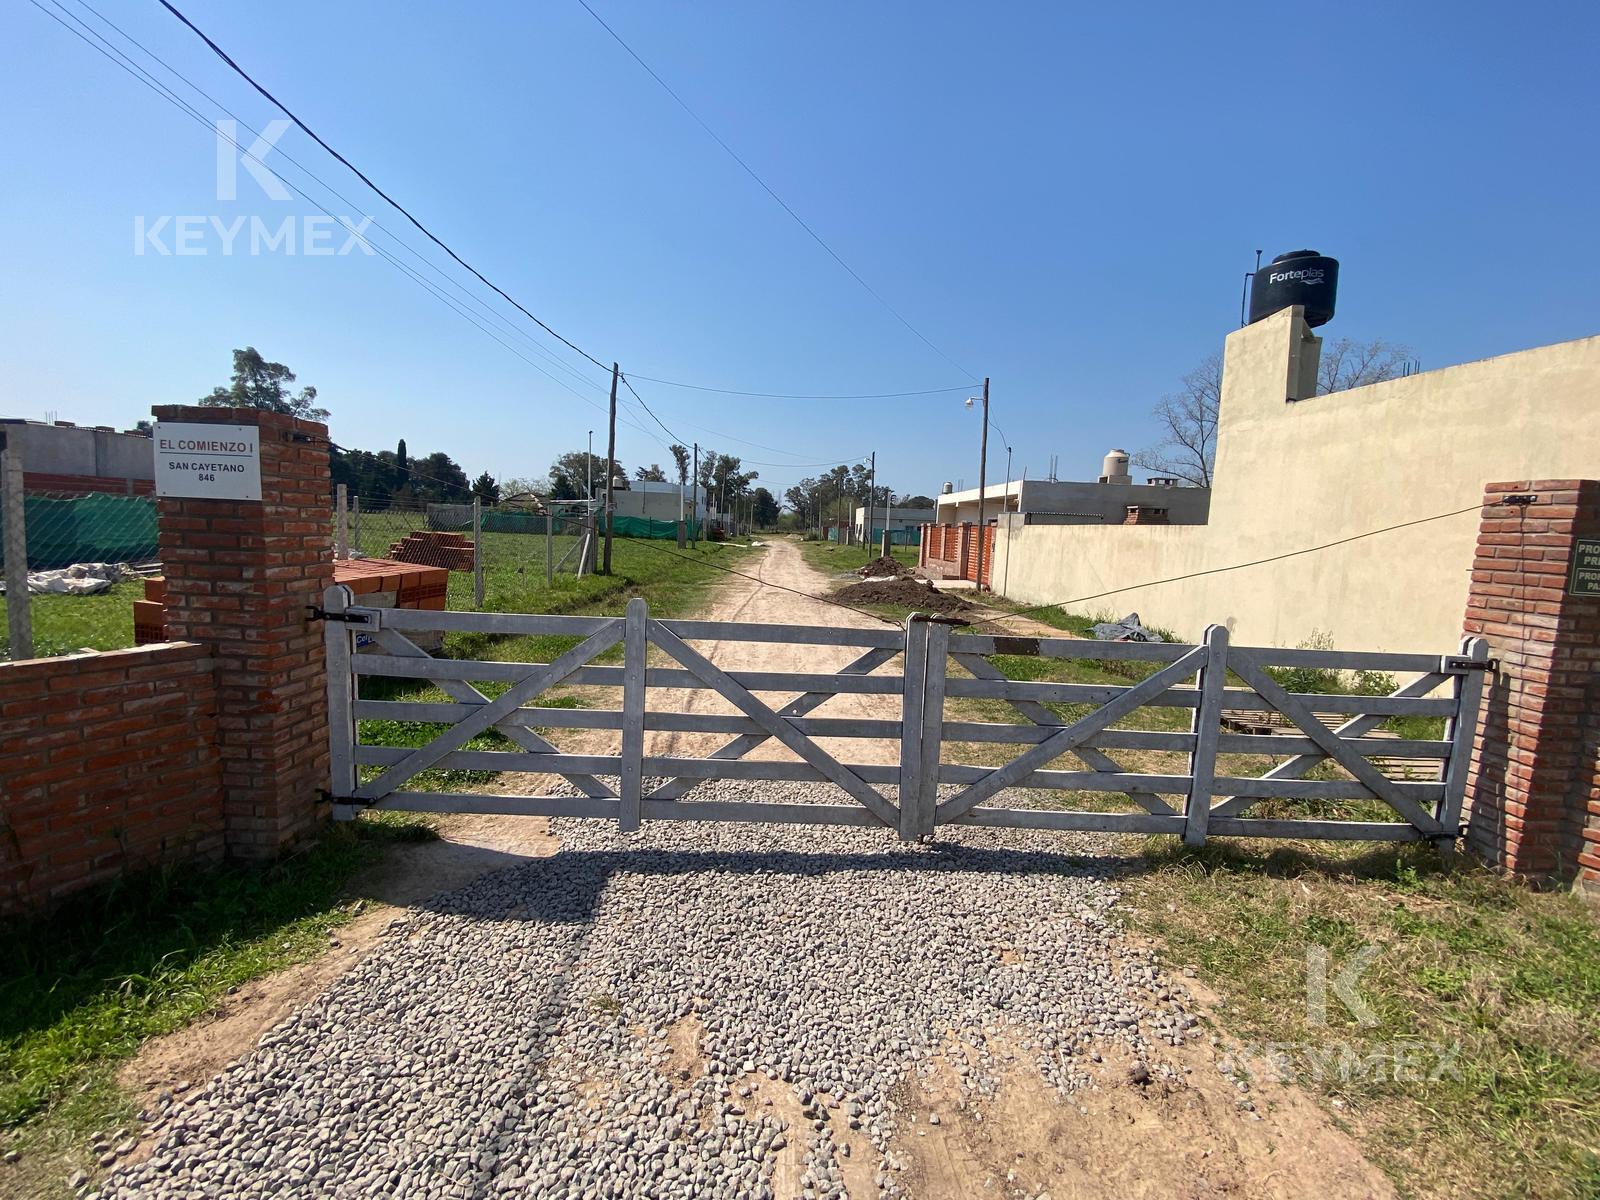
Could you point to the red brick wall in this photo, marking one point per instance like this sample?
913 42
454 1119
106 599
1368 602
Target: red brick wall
110 763
1533 794
36 481
239 576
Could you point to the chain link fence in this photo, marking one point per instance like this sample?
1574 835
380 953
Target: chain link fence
74 564
503 558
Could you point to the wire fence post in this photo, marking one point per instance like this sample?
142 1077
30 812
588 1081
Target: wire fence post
549 545
19 618
341 523
477 552
355 523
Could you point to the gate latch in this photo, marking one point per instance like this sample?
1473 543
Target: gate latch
316 612
1460 664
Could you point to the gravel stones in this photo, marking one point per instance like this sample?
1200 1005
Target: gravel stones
671 1013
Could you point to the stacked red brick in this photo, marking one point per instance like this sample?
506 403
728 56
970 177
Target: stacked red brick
110 763
406 585
1534 791
452 551
412 585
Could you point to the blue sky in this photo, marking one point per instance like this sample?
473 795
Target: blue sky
1063 197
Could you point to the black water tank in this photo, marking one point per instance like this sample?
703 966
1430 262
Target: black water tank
1298 277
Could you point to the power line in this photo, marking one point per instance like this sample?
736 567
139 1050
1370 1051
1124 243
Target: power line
964 387
629 384
403 211
395 204
766 187
109 52
483 308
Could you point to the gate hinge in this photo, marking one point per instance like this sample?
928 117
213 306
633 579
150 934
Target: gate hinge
1519 499
1460 664
315 612
327 797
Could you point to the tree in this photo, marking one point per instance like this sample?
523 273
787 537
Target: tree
680 455
764 508
439 479
570 475
651 474
1189 417
1349 364
519 487
1189 449
258 383
486 489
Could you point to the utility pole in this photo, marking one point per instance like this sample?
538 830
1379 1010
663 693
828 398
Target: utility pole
694 486
611 462
588 465
872 503
983 463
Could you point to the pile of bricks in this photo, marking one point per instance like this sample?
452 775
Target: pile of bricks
376 582
387 583
452 551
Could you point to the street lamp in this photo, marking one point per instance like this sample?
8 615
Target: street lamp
983 477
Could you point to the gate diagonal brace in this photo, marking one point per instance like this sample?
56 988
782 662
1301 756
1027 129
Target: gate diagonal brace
745 743
398 644
1244 666
1357 726
745 701
1091 757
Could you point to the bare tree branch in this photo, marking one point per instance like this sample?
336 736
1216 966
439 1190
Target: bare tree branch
1188 451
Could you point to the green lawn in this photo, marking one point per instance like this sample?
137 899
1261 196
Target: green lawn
1506 977
62 624
834 559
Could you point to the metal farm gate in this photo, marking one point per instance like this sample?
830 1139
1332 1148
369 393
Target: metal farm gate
923 666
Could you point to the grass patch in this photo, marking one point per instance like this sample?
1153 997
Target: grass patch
82 989
63 624
834 559
1465 958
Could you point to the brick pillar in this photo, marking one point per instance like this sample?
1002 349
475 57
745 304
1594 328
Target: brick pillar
964 550
239 574
1533 794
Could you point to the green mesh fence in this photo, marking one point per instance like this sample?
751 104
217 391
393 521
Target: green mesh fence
646 527
63 530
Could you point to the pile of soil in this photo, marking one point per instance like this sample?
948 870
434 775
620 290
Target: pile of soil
883 567
906 592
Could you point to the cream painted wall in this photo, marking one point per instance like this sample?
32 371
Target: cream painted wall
1291 475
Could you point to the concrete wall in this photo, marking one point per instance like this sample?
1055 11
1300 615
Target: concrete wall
899 518
70 450
1291 475
1075 502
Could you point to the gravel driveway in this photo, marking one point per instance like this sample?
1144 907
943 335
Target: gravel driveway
690 1010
